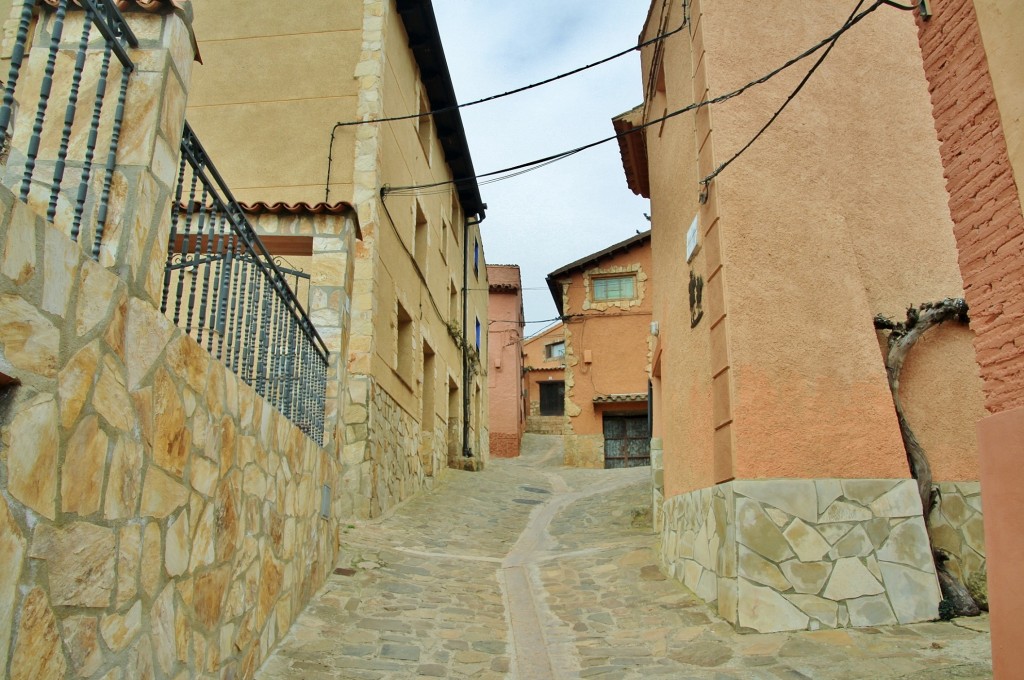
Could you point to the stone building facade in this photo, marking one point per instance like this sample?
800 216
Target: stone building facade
605 302
972 54
786 500
416 396
158 517
505 359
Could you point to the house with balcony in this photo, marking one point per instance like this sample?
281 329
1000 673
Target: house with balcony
604 300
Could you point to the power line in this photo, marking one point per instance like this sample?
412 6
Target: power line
524 88
516 170
455 107
792 95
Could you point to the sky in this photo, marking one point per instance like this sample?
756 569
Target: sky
555 215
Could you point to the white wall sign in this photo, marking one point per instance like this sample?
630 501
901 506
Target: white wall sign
692 238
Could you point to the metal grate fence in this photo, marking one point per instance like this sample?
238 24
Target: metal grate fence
223 287
101 16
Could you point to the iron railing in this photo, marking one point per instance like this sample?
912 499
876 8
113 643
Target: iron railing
103 16
223 287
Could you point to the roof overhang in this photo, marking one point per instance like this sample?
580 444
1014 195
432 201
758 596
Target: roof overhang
554 278
425 43
633 149
637 398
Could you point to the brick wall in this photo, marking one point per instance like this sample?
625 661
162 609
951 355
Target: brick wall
983 198
504 445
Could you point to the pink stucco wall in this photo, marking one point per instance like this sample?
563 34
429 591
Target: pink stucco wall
505 360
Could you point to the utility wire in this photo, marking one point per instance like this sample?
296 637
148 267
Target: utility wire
524 88
792 95
516 170
455 107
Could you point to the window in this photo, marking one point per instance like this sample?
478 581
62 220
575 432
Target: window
453 304
478 334
555 350
455 215
614 287
419 249
427 421
552 398
404 343
445 230
423 126
476 257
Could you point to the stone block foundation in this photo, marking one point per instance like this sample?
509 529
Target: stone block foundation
781 554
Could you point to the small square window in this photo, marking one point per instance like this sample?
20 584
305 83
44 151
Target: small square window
614 287
555 350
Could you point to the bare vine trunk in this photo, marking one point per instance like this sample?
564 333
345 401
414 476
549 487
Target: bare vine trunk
901 337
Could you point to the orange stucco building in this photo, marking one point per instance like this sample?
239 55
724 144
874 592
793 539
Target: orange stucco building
786 498
505 359
973 55
604 300
544 380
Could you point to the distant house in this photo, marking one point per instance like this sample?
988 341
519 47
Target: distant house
544 381
505 359
605 301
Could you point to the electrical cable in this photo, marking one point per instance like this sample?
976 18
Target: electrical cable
456 107
522 168
524 88
792 95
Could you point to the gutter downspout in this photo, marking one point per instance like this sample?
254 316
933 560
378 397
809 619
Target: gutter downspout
467 452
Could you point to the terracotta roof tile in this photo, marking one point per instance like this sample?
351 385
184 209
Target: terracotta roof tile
262 207
620 398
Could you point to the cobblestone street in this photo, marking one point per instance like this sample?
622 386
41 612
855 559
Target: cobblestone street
530 570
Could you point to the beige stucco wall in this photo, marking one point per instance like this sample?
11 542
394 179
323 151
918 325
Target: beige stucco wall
395 267
1002 24
277 82
681 363
265 102
806 237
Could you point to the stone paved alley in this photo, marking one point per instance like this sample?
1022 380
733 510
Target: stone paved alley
530 570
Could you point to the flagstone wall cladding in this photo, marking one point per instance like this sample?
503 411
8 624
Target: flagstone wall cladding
398 471
156 513
157 517
956 527
657 483
584 450
778 555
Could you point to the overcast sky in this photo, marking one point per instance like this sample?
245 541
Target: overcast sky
552 216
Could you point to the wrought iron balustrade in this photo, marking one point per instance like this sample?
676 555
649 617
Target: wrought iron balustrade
24 162
226 290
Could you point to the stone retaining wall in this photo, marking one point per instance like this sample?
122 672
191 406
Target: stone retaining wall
805 554
584 450
537 424
156 514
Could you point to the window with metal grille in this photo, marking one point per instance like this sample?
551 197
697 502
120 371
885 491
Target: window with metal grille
552 398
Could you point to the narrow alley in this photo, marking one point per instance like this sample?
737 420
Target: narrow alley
530 570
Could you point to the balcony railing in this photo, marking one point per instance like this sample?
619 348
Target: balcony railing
86 214
224 289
